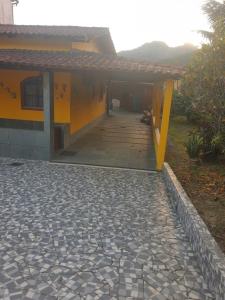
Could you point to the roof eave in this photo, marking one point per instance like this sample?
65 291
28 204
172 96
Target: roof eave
132 76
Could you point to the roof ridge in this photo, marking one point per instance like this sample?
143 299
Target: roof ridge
54 26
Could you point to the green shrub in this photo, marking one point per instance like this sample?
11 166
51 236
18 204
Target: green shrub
218 144
181 104
192 115
194 145
213 138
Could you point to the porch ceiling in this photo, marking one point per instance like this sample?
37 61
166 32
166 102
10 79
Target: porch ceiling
113 67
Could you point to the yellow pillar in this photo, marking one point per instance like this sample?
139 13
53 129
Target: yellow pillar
153 101
158 106
168 93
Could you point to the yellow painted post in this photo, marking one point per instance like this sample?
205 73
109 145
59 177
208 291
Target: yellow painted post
153 100
155 118
158 96
168 93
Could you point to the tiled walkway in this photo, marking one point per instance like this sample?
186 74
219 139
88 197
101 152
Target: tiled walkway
71 232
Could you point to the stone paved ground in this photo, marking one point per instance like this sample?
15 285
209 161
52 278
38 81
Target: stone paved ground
91 233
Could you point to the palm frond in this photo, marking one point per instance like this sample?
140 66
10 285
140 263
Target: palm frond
206 34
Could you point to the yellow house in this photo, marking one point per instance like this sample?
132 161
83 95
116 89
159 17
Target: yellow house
16 104
54 83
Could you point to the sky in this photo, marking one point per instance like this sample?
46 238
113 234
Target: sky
131 22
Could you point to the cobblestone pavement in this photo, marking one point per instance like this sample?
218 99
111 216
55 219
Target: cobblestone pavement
91 233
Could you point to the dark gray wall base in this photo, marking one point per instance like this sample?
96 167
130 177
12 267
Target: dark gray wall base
34 144
210 257
21 124
65 137
74 137
22 143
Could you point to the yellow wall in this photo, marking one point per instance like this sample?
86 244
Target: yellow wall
10 96
85 108
34 44
46 44
89 46
80 109
62 93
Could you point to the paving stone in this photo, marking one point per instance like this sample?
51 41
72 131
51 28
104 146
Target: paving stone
69 232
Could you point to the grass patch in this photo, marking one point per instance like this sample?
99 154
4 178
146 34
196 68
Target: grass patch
179 131
204 183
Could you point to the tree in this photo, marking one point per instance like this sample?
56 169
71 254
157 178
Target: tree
204 82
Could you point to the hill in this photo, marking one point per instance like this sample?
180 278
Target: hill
160 52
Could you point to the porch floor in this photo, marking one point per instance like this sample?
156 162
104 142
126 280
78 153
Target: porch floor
119 140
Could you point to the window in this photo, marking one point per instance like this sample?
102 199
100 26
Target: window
32 93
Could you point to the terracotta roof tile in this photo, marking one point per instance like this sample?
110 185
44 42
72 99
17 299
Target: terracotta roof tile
81 60
76 33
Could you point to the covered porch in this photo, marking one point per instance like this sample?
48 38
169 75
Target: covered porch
119 140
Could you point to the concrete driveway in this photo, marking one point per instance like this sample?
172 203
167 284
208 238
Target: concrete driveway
70 232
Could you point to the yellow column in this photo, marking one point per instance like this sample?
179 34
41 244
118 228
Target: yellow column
153 100
168 93
158 100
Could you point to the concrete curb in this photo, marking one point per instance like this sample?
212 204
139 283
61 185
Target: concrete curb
210 257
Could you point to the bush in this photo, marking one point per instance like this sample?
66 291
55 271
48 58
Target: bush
181 104
194 145
218 144
192 115
213 138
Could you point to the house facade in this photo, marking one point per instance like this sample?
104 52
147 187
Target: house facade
79 98
55 84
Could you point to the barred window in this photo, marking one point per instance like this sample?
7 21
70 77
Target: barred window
32 93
